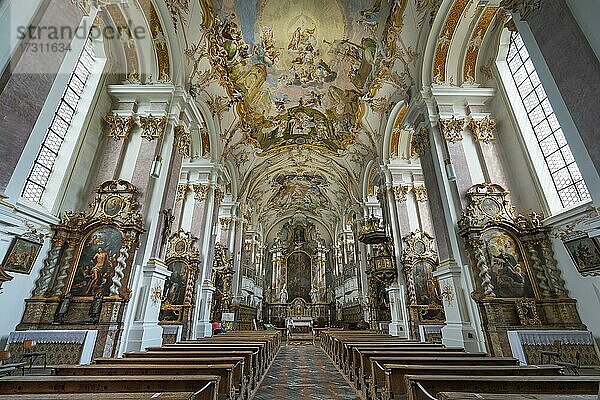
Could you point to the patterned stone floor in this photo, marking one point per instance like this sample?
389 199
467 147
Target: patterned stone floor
303 373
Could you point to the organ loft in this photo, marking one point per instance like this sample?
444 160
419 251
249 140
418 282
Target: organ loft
299 199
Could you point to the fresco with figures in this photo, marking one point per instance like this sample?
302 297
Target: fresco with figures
96 266
300 67
507 267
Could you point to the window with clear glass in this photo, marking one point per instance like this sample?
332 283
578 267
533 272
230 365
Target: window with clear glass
44 163
564 171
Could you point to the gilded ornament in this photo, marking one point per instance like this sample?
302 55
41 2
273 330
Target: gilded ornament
400 193
420 142
182 190
420 193
483 129
183 141
119 126
153 127
200 191
452 128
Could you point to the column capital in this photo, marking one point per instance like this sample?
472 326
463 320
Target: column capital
452 128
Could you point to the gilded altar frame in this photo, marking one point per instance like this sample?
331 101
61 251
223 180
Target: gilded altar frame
85 276
423 292
177 300
517 283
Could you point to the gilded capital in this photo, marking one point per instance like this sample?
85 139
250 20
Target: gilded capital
420 193
119 126
153 127
400 193
225 223
200 191
483 129
452 128
182 190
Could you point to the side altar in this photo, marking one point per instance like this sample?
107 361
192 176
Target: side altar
83 285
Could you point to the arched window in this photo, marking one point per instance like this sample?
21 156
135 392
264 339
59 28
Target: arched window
563 169
37 180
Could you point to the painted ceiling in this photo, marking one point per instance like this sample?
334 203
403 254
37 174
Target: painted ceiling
301 92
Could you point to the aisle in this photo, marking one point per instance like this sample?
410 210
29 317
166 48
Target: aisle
304 373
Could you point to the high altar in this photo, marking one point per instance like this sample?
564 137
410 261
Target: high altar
299 276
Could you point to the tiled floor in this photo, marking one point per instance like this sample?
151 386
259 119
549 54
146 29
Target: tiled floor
304 373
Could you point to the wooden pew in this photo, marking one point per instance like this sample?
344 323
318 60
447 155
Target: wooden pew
250 358
104 396
389 378
350 355
418 385
505 396
204 387
263 357
231 384
362 369
185 361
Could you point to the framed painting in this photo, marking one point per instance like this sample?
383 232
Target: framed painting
426 286
21 255
508 270
97 262
585 253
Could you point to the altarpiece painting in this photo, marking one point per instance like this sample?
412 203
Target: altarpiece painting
179 291
517 283
86 273
419 258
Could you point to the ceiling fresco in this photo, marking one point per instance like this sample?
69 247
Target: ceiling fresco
299 67
300 92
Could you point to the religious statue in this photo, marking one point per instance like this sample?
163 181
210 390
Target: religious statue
95 309
63 308
284 295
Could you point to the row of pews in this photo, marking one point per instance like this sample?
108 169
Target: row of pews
223 367
382 367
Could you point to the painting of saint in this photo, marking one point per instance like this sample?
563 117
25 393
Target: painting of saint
585 254
174 293
97 262
175 285
21 256
426 286
506 266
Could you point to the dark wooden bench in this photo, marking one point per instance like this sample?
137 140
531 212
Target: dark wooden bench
231 384
186 361
105 396
424 387
361 367
250 358
205 387
390 378
512 396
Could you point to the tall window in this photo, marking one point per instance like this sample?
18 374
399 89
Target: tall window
560 161
44 163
